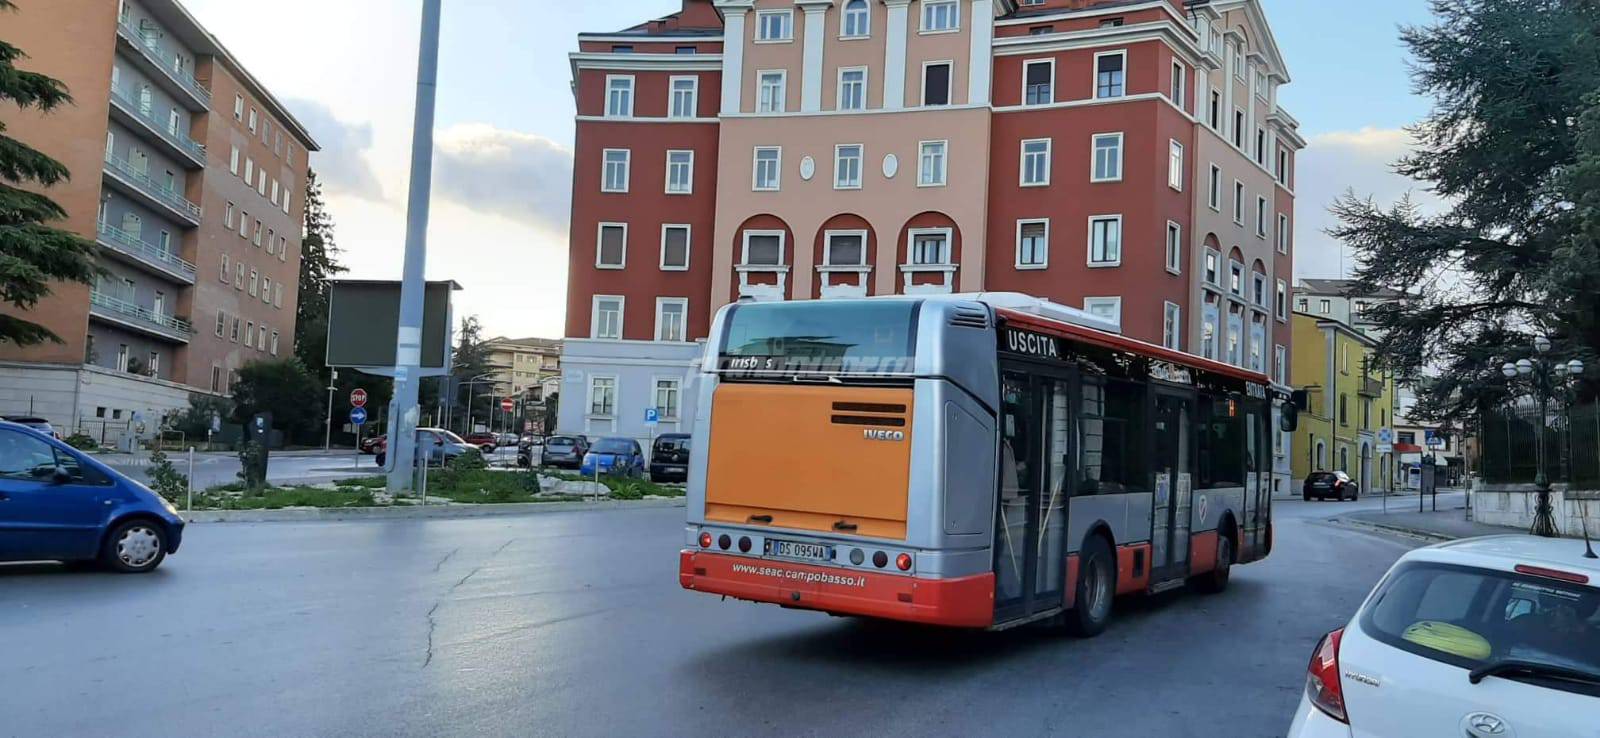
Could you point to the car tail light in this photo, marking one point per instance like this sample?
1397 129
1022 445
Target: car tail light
903 562
1322 678
1539 571
705 540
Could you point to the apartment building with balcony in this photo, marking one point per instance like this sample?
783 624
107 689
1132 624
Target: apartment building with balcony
187 173
1063 148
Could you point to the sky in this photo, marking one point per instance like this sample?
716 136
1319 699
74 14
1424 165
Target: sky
504 128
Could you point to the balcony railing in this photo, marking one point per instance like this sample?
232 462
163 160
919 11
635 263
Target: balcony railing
131 245
169 324
1371 387
163 61
130 103
151 188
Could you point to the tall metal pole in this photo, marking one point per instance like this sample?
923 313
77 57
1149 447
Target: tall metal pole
327 438
408 338
1544 522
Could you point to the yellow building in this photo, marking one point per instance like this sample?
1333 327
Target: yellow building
1347 404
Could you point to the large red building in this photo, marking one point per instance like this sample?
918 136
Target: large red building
1122 156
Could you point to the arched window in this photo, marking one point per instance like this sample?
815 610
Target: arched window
1322 456
855 20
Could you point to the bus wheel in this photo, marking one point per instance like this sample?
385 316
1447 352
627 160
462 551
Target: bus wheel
1216 580
1096 588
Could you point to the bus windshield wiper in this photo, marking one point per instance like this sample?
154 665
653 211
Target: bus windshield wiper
1532 668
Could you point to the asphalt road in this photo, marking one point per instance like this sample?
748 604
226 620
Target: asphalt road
573 624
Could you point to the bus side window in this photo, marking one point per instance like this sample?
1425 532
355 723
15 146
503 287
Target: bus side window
1110 437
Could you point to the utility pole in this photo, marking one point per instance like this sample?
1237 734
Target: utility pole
408 337
327 438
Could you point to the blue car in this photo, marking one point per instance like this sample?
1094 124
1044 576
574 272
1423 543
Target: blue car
619 456
58 504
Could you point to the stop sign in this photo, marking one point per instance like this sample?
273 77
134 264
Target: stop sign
358 397
507 404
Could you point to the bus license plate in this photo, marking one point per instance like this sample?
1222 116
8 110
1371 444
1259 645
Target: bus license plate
797 550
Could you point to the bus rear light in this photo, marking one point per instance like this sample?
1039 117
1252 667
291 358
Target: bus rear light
1322 678
744 544
857 557
903 561
725 541
705 540
880 559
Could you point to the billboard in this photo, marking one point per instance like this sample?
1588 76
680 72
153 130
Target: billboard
364 316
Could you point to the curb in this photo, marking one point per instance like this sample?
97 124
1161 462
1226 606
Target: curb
1425 535
303 515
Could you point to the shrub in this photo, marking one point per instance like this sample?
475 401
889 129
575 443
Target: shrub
165 479
83 442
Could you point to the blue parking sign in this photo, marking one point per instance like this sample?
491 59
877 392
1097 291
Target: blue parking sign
651 416
358 415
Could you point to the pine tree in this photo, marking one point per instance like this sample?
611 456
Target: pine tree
319 262
1513 147
32 254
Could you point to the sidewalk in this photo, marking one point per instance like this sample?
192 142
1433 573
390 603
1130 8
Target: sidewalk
1448 524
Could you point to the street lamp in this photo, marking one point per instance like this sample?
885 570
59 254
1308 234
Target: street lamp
1544 377
480 379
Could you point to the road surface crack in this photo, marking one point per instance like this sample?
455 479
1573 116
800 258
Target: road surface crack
447 556
433 623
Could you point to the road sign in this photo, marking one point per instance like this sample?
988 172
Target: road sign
358 397
507 404
1385 435
652 416
1432 438
358 415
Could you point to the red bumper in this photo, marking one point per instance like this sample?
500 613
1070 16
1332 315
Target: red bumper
967 602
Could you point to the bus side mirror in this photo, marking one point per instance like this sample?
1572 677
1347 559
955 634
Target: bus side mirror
1288 417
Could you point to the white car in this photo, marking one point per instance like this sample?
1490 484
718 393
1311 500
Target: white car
1495 637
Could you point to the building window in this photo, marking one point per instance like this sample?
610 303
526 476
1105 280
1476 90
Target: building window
936 83
1175 165
667 393
671 317
1281 304
1110 74
1174 247
1033 244
1107 158
775 25
1283 165
277 295
940 15
1325 307
853 88
1261 217
238 105
255 283
847 167
1280 364
771 95
274 348
238 276
1178 73
1261 147
1238 202
611 247
252 120
1258 289
1258 342
763 248
1235 335
1235 278
1214 191
602 396
607 320
226 271
1283 233
1038 82
1172 326
1036 162
619 96
1209 328
249 170
1238 129
222 323
768 161
674 248
233 333
1105 240
1215 117
1109 308
680 172
1344 410
856 20
1213 267
233 161
931 164
216 378
845 248
930 247
685 97
614 178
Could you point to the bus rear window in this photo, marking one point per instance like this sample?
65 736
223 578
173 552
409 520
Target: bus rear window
820 337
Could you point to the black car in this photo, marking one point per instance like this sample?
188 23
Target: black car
1323 485
669 458
564 451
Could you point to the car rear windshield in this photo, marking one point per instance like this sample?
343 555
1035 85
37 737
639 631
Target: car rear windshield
560 442
820 337
668 444
1472 618
1323 477
613 446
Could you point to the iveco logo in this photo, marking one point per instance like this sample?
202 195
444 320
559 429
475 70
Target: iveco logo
1485 725
874 434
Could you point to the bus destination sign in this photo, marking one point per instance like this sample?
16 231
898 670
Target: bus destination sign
1027 343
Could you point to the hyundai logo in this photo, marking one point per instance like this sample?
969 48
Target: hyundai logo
1486 725
875 434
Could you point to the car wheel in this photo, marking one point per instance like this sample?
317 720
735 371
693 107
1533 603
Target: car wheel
1303 495
1216 580
1095 590
382 457
135 547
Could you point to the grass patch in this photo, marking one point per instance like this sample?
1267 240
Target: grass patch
277 498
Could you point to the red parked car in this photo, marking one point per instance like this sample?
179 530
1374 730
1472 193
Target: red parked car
371 445
486 441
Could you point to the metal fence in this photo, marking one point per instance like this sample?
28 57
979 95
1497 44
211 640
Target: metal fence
1510 438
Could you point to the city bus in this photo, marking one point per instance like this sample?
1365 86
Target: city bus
975 461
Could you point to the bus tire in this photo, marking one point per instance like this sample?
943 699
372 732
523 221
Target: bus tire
1216 580
1095 589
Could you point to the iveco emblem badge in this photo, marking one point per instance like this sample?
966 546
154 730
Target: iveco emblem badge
874 434
1486 725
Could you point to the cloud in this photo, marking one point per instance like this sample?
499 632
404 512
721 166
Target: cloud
1337 162
520 176
341 165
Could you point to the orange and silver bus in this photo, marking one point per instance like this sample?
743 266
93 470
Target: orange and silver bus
976 461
